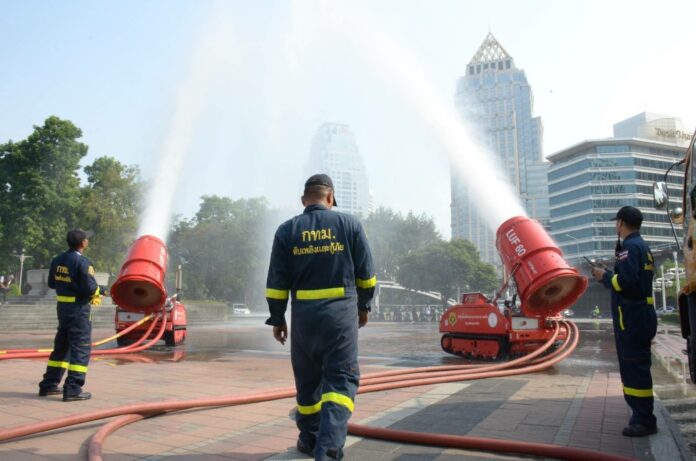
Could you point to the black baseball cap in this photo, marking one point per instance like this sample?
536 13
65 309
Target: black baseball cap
630 215
77 236
321 180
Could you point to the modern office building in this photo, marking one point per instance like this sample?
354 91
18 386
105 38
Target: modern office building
657 127
590 181
335 152
495 98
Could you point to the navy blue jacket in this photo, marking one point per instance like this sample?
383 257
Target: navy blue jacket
72 275
320 256
632 277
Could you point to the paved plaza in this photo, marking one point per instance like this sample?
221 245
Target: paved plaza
578 403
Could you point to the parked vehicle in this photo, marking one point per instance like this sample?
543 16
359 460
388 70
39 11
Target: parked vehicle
666 310
686 217
240 309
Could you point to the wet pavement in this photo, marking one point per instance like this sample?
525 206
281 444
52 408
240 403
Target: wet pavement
554 406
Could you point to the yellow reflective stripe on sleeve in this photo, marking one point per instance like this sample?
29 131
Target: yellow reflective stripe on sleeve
649 267
615 282
78 368
650 300
309 409
321 294
369 283
272 293
621 325
56 364
339 399
638 392
65 299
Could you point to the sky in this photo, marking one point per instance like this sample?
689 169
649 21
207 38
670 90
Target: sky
240 88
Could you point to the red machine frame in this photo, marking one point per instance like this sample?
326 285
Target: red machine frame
545 284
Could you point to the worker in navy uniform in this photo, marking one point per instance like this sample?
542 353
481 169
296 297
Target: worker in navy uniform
72 276
634 318
322 260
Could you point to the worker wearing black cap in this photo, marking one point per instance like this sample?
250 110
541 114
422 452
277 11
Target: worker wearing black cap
322 259
634 318
72 276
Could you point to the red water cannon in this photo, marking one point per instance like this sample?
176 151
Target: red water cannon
140 283
546 284
140 290
484 328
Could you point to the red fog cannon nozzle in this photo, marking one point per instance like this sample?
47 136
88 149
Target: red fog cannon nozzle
140 283
545 282
546 285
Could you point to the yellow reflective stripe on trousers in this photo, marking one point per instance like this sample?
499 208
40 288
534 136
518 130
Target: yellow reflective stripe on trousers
78 368
324 293
621 325
339 399
272 293
66 299
309 409
68 366
638 392
650 300
369 283
615 282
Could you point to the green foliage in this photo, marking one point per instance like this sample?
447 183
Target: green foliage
393 236
41 199
14 290
109 206
224 250
40 190
447 267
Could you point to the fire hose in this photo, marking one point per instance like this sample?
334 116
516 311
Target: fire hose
155 319
370 383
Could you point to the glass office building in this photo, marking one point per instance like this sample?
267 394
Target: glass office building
590 181
335 152
496 99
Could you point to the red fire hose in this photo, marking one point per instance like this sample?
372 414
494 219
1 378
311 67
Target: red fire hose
136 412
121 350
94 344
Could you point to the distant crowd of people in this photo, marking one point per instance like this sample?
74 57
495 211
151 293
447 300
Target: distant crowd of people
408 313
5 283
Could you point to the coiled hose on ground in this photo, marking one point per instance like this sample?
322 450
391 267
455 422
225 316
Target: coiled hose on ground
373 382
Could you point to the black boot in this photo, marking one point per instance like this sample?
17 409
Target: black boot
638 430
80 396
305 449
55 390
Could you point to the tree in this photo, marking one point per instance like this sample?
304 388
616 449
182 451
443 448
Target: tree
393 236
446 267
40 189
110 204
224 249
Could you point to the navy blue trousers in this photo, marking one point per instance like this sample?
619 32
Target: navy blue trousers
635 325
324 352
71 349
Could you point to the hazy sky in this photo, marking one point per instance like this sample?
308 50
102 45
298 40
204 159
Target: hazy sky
275 71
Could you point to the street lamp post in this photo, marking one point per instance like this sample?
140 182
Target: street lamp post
676 272
22 257
664 292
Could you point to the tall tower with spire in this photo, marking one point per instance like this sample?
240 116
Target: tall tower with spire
495 98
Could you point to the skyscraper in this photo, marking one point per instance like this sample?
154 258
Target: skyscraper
335 152
495 97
